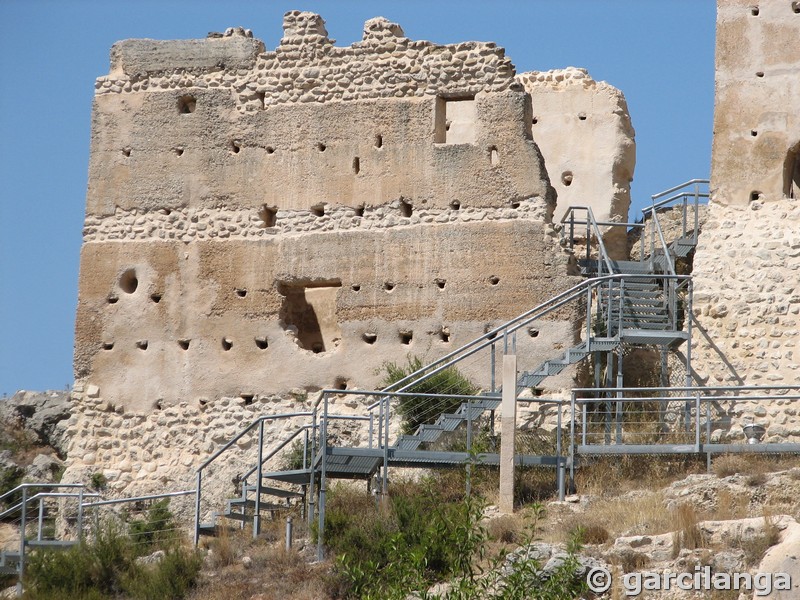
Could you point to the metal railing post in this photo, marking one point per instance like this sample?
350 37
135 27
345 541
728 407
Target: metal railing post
371 428
312 479
259 483
199 480
80 514
322 481
584 423
697 421
688 315
493 360
708 421
288 533
41 518
572 437
22 524
469 448
385 479
572 230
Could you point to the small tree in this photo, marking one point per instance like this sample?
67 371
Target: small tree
417 410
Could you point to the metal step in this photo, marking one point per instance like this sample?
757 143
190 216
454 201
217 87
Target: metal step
627 267
408 442
682 246
273 491
207 529
297 476
9 558
239 502
51 543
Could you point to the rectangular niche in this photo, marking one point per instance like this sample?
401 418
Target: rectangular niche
308 309
456 120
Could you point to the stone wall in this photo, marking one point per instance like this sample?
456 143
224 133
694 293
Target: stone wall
756 121
747 294
584 131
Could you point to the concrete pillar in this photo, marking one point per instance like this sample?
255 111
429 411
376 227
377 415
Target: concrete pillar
508 429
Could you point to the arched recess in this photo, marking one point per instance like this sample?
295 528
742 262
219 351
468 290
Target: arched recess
791 173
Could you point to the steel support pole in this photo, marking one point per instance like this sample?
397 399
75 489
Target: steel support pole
197 508
469 449
288 534
385 481
323 482
688 317
259 482
619 394
80 514
312 479
21 568
40 520
572 439
560 467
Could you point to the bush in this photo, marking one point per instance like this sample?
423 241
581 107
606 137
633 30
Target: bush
169 579
10 478
417 410
157 526
399 550
106 568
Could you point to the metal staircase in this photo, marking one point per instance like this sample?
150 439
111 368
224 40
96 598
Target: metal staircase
626 302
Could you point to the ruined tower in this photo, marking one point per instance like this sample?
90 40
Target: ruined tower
264 220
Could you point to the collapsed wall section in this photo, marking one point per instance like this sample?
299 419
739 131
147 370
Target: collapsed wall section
747 299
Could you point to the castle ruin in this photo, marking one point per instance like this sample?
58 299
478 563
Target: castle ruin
259 221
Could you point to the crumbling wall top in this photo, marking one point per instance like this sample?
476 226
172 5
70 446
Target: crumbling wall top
307 67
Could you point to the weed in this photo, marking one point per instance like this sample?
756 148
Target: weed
156 526
98 481
687 533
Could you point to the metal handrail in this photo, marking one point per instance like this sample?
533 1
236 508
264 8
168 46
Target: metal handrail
40 495
247 429
592 223
513 325
652 207
664 246
137 499
259 422
23 486
678 187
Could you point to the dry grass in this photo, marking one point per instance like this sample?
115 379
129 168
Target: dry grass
756 547
753 465
627 473
685 530
645 514
508 529
273 574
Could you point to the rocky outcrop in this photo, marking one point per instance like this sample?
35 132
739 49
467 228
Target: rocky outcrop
41 417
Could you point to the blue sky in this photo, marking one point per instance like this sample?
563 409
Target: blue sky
660 54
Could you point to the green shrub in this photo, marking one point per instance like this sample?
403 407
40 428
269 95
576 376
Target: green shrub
398 551
10 478
169 579
106 568
417 410
83 572
156 526
293 459
98 482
